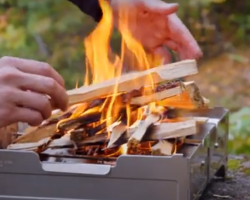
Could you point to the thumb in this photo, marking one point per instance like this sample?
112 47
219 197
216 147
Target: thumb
162 7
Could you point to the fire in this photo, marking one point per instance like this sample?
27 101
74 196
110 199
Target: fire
103 65
100 66
124 149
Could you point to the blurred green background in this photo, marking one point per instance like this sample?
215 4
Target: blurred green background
53 31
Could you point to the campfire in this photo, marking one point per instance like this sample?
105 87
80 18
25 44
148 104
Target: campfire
143 112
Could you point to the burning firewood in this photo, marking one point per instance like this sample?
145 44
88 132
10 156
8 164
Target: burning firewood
138 135
163 148
185 95
86 113
117 132
173 130
37 134
125 115
190 98
135 80
46 143
46 129
29 146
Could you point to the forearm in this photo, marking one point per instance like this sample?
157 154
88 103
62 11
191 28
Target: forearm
89 7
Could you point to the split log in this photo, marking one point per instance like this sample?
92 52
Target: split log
29 146
191 90
138 135
37 134
158 96
7 135
153 133
190 98
163 148
33 146
172 130
135 80
117 132
187 95
90 116
78 135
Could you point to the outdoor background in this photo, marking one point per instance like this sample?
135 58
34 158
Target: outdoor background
53 31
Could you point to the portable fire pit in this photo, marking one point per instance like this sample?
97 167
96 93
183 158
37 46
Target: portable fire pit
182 176
136 141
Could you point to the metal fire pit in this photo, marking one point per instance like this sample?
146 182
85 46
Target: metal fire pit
183 176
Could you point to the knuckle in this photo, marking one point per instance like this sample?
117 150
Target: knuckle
6 94
45 108
45 68
51 84
36 120
44 104
5 111
5 120
8 74
6 59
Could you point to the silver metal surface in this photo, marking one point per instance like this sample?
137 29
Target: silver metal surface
217 142
183 176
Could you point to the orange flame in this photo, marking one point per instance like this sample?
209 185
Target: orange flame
99 66
97 48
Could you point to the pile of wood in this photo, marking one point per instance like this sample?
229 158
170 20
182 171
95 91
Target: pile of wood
129 114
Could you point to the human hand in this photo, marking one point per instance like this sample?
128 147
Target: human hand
29 90
155 24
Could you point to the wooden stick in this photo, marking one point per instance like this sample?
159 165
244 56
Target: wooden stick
186 96
136 138
37 134
33 146
7 135
173 130
143 100
117 132
135 80
134 135
162 148
190 98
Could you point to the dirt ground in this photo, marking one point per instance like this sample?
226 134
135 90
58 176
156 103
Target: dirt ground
225 80
237 184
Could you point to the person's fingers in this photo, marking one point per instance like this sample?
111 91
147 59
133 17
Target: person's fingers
34 101
157 6
174 46
33 67
161 7
44 85
26 115
164 54
179 33
171 45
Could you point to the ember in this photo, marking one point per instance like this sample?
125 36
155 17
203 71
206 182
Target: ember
140 113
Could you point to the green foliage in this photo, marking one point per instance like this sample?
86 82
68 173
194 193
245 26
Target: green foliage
233 164
50 31
240 131
217 20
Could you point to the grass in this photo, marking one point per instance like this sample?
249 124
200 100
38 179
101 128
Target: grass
234 164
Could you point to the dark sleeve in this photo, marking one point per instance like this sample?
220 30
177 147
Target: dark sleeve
89 7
